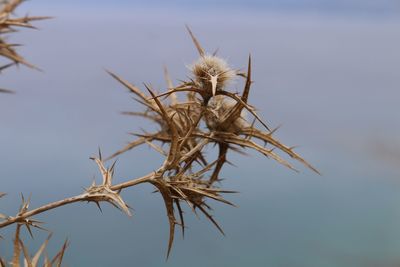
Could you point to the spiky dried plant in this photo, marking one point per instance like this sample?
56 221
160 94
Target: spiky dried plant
208 100
10 24
210 115
40 258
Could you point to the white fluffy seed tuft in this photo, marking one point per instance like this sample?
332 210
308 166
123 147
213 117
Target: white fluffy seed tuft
212 73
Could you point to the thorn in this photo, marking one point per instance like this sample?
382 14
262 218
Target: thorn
98 205
196 42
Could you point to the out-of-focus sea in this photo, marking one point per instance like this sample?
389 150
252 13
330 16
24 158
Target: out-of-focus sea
331 79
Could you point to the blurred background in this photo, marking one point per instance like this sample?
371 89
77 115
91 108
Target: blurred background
326 70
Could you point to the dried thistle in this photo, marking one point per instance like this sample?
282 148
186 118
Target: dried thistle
210 114
8 24
222 111
224 115
33 261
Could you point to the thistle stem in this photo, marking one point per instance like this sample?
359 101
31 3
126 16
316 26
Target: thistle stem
82 197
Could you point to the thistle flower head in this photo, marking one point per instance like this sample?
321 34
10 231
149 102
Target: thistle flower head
212 73
210 114
218 108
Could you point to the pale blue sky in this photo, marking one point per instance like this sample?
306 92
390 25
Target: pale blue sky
338 7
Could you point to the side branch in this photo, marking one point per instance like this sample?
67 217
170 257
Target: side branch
21 217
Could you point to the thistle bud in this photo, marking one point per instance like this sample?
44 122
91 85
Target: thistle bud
218 109
212 73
